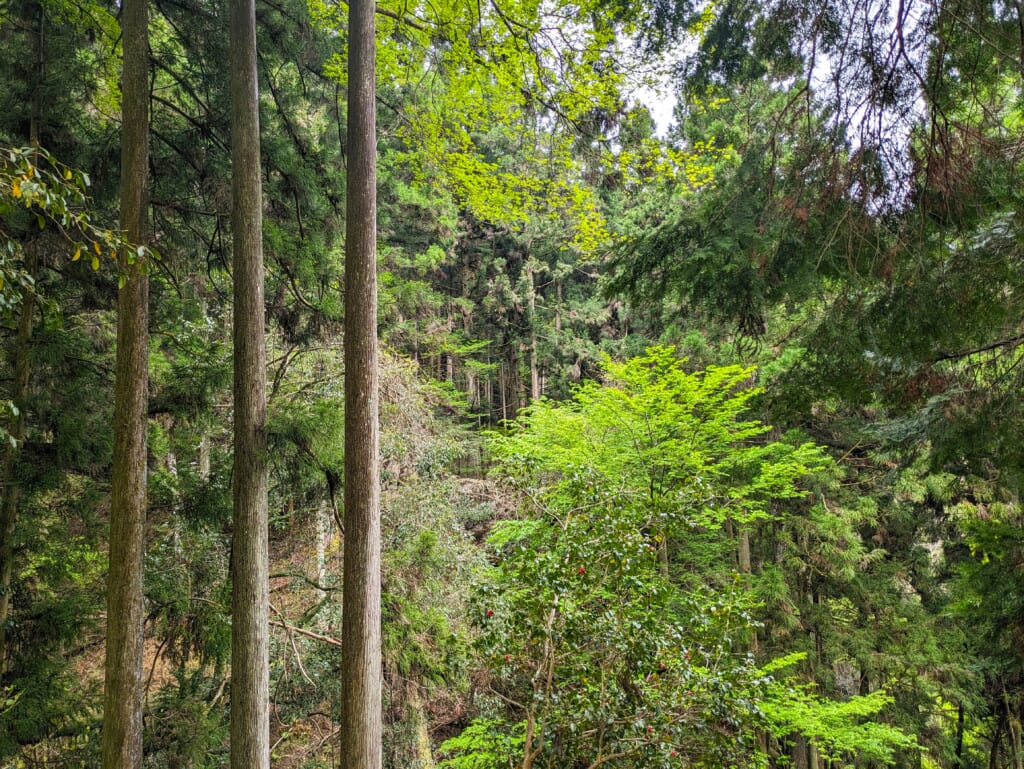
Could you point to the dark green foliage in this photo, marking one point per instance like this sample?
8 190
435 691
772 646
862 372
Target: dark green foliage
54 598
187 724
187 595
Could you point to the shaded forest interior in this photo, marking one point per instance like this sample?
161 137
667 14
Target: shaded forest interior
699 441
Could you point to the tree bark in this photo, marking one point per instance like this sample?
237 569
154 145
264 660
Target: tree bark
12 451
11 486
1013 722
744 551
250 642
122 709
799 752
361 653
993 756
535 387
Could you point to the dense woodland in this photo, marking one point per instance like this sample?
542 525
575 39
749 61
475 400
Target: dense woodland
699 443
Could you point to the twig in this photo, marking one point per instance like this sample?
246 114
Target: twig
291 639
308 633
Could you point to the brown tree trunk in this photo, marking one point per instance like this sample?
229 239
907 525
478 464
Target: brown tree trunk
1013 722
799 752
958 755
993 756
19 393
122 709
814 757
12 451
361 654
503 388
744 551
250 642
535 389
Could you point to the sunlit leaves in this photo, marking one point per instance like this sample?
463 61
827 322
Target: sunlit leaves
33 178
585 623
836 728
493 99
675 444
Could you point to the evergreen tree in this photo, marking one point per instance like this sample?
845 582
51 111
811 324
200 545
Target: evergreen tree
250 643
361 631
122 712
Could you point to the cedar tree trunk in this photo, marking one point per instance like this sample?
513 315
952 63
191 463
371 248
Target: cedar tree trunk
122 708
361 654
12 451
250 687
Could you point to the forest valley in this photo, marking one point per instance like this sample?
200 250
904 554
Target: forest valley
700 445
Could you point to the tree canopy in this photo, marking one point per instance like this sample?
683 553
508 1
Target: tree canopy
699 443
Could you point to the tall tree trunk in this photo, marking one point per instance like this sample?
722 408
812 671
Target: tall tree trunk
12 451
503 388
122 709
11 486
250 642
1013 722
814 757
361 654
535 388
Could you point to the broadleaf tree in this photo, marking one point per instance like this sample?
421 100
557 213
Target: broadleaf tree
616 626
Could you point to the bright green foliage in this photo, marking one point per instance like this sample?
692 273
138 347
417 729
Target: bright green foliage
676 445
837 729
593 637
502 106
876 254
484 744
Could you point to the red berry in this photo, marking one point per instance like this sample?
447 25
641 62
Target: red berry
582 570
490 612
508 657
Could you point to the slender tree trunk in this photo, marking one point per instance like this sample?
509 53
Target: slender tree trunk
324 530
558 305
744 551
1015 740
12 451
534 355
361 654
503 388
813 757
993 756
250 642
421 723
204 458
958 756
122 710
799 752
11 485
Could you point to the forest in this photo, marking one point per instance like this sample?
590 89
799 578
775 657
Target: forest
512 384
